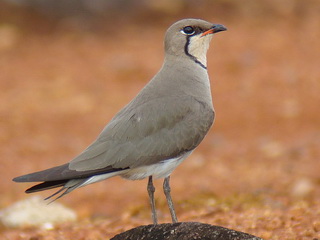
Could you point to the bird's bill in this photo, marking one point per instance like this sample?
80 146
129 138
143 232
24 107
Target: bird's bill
216 28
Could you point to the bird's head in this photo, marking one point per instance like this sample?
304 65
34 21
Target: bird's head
191 38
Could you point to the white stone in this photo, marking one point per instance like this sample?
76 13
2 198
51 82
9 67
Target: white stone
34 211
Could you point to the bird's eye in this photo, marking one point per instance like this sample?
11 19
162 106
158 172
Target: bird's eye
188 30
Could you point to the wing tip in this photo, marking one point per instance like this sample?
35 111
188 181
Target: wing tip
27 178
50 174
20 179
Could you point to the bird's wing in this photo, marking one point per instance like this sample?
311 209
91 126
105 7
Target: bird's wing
148 133
61 173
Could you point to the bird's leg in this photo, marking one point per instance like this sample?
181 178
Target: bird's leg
151 189
167 190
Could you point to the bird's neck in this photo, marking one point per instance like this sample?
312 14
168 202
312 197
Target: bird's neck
182 74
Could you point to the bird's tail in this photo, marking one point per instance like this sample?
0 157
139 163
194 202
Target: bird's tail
68 182
68 185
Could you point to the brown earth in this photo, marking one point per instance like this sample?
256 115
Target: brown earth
257 171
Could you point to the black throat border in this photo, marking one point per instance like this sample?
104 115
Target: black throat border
191 56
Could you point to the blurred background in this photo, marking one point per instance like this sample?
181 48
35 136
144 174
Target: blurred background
66 67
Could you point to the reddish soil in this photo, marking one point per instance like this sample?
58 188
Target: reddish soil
257 171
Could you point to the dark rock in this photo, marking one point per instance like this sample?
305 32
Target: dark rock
183 231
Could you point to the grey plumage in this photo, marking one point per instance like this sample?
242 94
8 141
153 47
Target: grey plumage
160 127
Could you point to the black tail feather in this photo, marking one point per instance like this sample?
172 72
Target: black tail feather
57 192
65 185
46 185
66 189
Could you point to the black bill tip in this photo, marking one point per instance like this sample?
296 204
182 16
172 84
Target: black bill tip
218 28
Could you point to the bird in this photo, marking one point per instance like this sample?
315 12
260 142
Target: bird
156 130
